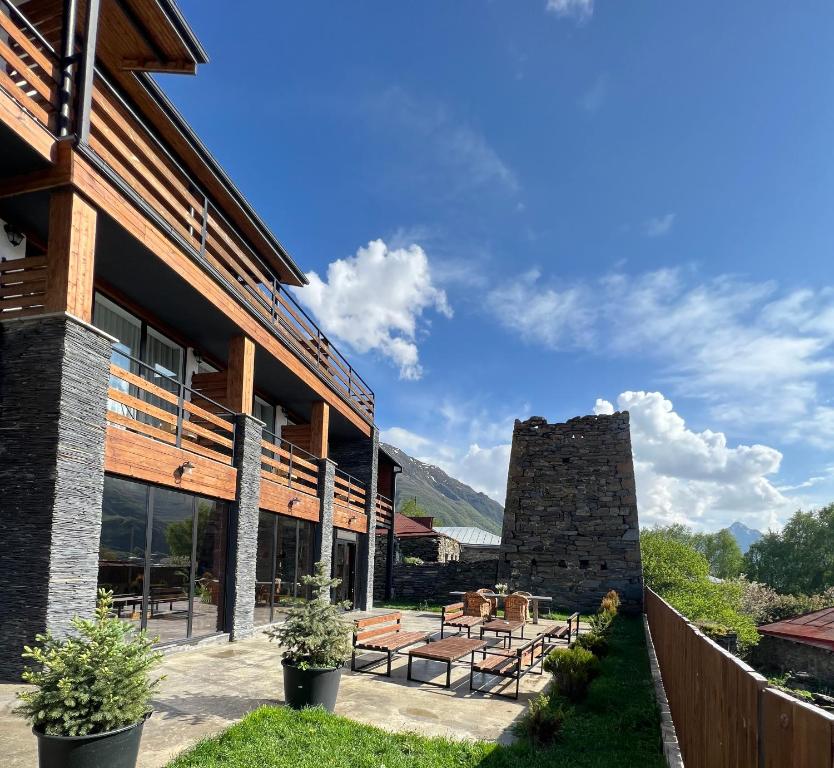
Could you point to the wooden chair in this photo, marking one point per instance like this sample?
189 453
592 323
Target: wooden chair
493 601
560 632
464 615
382 634
516 608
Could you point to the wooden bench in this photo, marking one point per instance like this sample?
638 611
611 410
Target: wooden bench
561 632
508 663
382 634
453 616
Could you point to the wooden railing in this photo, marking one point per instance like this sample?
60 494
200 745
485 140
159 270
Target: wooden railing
22 286
384 510
29 70
286 464
724 712
122 141
349 492
148 402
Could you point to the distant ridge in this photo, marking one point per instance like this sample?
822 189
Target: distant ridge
450 501
744 536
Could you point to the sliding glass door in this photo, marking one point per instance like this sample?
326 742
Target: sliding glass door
163 555
285 554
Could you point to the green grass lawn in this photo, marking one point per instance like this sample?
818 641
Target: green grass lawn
617 725
405 605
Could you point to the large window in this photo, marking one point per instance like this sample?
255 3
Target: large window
163 555
285 554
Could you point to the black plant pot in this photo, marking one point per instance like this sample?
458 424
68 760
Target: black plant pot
311 687
114 749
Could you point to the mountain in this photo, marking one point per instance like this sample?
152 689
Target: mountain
450 501
745 537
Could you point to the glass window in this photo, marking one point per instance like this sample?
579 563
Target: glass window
285 554
265 412
112 319
170 579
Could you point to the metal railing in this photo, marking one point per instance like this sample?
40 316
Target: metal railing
284 463
349 492
384 511
152 403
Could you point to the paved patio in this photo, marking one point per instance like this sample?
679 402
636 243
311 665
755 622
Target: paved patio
209 688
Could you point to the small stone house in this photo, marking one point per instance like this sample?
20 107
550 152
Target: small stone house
476 544
803 644
417 537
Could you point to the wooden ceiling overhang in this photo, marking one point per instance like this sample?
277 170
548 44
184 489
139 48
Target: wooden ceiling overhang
137 38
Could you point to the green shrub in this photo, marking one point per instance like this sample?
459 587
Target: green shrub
316 634
91 682
601 622
541 723
596 644
573 669
413 560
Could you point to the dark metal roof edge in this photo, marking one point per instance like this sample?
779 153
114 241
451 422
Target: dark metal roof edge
187 131
389 456
183 28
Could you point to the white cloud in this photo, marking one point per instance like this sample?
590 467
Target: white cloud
658 226
696 478
441 150
375 299
755 356
581 10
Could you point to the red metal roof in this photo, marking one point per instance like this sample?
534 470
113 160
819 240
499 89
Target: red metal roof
405 527
815 628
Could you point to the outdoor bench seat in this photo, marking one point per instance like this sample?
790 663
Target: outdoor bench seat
382 634
453 616
508 663
562 631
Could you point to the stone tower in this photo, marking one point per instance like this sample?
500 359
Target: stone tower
570 520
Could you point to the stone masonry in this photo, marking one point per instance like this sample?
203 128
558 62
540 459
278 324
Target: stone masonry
324 530
570 519
53 403
243 526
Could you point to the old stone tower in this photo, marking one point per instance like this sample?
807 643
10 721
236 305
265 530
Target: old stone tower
570 520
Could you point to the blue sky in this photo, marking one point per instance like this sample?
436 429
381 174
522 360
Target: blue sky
552 207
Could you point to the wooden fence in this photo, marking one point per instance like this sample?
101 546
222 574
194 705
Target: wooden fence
725 714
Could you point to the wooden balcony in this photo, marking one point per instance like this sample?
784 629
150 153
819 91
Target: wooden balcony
289 479
127 149
349 503
384 511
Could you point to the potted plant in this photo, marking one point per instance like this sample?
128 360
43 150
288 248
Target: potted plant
91 693
501 589
316 641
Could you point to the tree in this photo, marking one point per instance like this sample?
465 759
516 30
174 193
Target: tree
722 552
411 508
800 559
669 562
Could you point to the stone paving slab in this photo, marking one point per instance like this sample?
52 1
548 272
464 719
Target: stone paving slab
210 688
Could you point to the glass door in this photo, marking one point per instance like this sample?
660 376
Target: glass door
344 568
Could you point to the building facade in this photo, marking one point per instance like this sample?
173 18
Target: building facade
173 426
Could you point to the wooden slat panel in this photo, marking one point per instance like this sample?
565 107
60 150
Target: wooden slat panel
140 405
37 82
20 289
143 458
196 429
144 384
296 459
388 618
208 416
40 58
138 426
23 98
348 520
29 262
192 447
276 498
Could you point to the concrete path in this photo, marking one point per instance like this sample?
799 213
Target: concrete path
208 689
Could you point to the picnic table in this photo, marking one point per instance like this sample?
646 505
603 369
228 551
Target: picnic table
534 600
447 650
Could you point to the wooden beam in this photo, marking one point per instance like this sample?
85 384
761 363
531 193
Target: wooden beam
70 262
240 378
319 429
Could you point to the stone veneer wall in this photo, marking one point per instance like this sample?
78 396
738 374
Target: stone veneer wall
323 545
54 373
474 554
360 458
777 654
432 582
243 527
431 549
570 519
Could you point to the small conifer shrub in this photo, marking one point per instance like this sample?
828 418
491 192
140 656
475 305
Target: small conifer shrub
92 682
541 723
573 669
596 644
316 633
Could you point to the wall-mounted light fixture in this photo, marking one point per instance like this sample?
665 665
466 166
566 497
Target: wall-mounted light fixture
184 470
293 502
15 236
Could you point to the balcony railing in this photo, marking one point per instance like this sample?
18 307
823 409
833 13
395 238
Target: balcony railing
349 492
151 403
22 287
288 465
29 70
151 174
384 511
